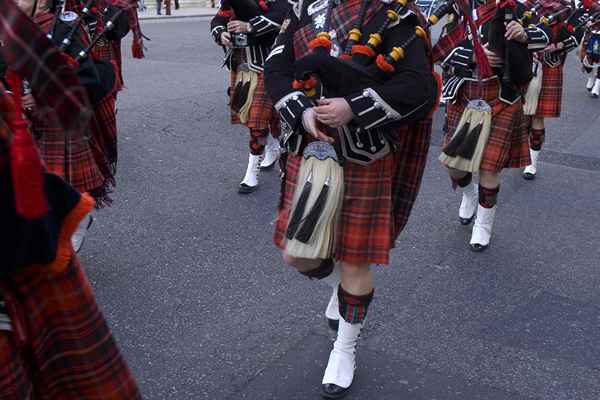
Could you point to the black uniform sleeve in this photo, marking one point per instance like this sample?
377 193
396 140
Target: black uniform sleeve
407 96
271 21
218 24
279 74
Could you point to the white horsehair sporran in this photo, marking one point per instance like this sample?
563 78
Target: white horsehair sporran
465 150
316 203
534 89
243 91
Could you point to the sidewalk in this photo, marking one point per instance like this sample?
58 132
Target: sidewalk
184 12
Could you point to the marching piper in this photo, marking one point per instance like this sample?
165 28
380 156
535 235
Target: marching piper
54 341
246 29
86 162
485 126
585 23
354 86
549 62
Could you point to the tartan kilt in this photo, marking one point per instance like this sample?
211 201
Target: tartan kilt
508 144
60 345
550 100
15 383
378 198
104 130
79 168
262 113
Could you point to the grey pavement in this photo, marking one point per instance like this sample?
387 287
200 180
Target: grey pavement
202 307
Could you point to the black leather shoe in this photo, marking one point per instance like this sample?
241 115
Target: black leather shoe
245 189
333 324
478 248
331 391
528 177
466 221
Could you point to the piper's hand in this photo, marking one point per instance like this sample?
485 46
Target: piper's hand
28 103
226 39
551 48
495 60
309 120
334 112
238 27
515 31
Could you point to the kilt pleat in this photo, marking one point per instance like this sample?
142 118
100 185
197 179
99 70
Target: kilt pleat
63 338
550 100
104 130
377 201
508 144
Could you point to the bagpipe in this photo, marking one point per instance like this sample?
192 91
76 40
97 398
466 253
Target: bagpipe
68 32
359 66
317 201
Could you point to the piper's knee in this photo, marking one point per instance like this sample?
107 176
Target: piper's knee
353 270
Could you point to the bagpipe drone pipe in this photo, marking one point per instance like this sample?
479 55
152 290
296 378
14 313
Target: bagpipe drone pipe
68 34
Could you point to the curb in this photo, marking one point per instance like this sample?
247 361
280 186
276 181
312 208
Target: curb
160 17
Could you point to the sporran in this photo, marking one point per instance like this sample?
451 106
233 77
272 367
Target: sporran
316 203
465 150
534 89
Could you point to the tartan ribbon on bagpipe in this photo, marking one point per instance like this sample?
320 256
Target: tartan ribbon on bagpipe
448 42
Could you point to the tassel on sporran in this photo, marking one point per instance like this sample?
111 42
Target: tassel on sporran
465 150
243 92
316 204
534 89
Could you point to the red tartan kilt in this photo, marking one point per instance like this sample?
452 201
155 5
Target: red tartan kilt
550 100
508 144
15 383
81 169
377 199
67 343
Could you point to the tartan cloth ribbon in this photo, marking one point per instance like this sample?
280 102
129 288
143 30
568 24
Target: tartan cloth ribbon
485 70
55 85
451 40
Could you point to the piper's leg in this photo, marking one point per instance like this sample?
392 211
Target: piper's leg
489 186
355 295
537 136
463 183
596 87
80 233
258 139
328 272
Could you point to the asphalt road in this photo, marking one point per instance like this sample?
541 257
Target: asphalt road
185 270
